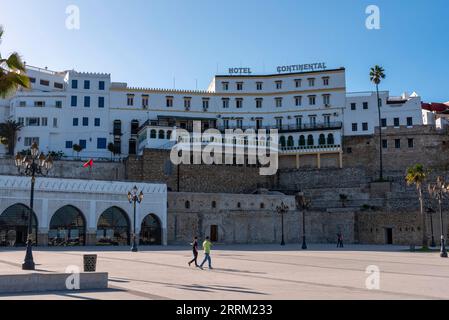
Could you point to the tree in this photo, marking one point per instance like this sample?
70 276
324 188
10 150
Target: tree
12 73
376 75
8 134
417 175
111 149
77 148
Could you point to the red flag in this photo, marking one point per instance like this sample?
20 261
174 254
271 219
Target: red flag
89 164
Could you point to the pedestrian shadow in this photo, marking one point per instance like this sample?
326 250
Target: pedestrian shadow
197 287
238 271
215 288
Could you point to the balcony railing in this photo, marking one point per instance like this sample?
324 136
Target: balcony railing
282 128
313 149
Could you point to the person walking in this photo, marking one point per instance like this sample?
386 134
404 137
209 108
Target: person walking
339 240
194 245
206 247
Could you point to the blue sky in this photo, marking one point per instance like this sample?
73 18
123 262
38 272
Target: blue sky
149 43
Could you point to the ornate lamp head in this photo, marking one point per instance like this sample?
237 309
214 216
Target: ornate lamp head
18 160
34 149
140 196
48 163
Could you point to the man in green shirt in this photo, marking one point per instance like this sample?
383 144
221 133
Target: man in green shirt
206 247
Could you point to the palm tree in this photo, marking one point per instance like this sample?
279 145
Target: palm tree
77 148
8 134
12 73
111 149
417 175
376 75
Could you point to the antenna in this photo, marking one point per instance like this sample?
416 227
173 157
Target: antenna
196 84
174 83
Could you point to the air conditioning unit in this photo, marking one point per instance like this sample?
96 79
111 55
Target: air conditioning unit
327 105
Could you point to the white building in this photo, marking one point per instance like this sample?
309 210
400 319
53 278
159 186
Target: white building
312 111
81 212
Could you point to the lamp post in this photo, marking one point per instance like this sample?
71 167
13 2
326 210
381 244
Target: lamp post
135 197
32 165
438 190
283 208
303 204
430 212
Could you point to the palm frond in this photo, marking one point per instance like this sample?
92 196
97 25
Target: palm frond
14 62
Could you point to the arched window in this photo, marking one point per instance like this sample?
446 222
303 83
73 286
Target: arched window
151 231
239 205
330 139
310 141
169 134
67 228
282 141
302 141
161 134
113 227
14 226
214 204
187 204
262 205
290 142
153 134
322 140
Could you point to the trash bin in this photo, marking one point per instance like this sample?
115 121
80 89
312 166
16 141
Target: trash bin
90 262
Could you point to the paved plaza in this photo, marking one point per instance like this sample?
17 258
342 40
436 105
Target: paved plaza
248 272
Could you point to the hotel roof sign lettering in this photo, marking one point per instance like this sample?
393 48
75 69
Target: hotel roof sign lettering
302 67
240 71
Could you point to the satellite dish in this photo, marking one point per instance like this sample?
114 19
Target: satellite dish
168 168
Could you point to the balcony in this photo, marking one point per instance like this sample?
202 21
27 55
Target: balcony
282 129
311 149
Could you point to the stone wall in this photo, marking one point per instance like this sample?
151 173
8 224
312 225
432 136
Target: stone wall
155 166
74 170
242 219
430 147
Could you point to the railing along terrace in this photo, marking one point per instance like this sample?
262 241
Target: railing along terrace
281 128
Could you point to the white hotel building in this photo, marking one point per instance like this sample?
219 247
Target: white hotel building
312 110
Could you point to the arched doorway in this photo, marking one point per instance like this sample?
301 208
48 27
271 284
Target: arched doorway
151 231
67 228
113 227
14 226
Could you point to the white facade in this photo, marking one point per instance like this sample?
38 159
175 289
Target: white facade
67 108
90 197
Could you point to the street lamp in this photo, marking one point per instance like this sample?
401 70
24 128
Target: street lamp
283 208
303 204
135 197
437 191
32 165
430 212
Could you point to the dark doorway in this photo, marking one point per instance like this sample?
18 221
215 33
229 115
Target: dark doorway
14 226
113 228
67 228
389 235
214 233
151 231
